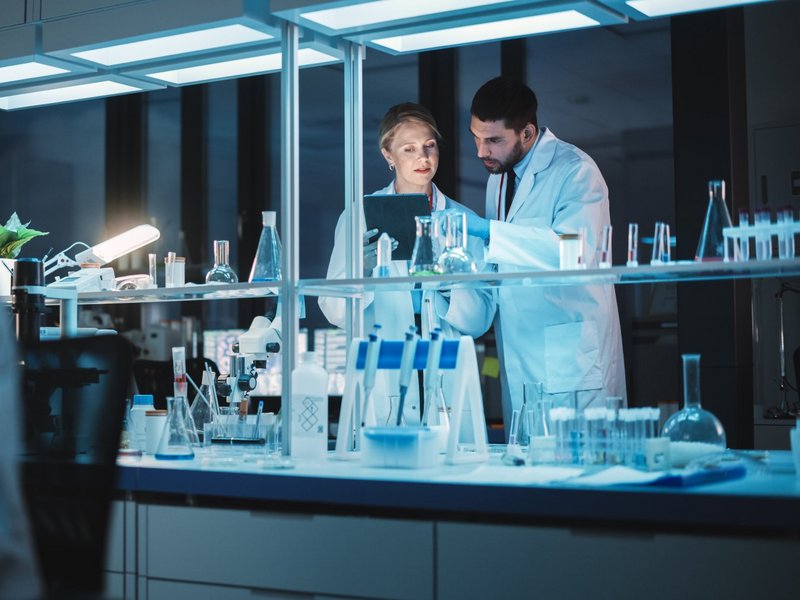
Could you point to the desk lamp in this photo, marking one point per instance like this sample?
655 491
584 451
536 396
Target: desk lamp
91 277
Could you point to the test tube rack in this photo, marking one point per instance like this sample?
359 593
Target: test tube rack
734 236
458 356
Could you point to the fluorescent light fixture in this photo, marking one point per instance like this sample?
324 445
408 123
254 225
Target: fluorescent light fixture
28 70
66 93
239 67
171 45
384 11
658 8
119 245
481 32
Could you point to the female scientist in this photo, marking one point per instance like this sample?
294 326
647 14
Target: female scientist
409 141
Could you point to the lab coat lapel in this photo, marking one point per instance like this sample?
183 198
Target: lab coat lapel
543 153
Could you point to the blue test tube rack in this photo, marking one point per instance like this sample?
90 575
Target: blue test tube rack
458 356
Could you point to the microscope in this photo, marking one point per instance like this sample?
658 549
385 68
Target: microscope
255 345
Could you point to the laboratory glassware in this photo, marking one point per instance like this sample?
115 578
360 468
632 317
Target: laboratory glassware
785 219
633 245
455 258
542 441
423 261
309 402
201 410
692 430
175 443
712 244
658 240
152 264
267 262
666 253
569 251
384 256
763 237
605 247
221 272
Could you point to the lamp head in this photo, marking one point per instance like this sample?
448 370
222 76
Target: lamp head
119 245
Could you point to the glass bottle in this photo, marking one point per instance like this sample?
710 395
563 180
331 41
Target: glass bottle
221 272
175 443
712 244
455 258
267 262
692 430
201 409
423 261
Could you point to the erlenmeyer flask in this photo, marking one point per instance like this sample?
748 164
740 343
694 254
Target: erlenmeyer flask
201 410
221 272
423 261
692 430
267 262
175 443
455 258
712 244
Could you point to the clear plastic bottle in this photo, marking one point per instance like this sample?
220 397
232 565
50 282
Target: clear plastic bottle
309 427
267 262
692 430
221 272
712 244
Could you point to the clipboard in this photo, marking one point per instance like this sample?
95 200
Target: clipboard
394 214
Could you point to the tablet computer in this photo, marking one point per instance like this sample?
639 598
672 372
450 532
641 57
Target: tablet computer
394 214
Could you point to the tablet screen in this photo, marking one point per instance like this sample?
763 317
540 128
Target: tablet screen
395 214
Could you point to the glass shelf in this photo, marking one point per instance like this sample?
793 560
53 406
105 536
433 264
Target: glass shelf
681 271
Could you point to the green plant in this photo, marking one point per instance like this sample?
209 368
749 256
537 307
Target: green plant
14 235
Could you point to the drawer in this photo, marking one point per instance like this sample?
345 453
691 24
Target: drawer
12 12
312 554
60 8
493 561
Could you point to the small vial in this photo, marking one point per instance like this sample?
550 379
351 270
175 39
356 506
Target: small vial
582 232
633 245
384 256
744 239
569 251
666 254
763 236
786 233
153 269
655 257
605 247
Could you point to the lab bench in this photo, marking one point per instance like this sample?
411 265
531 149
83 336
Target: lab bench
226 526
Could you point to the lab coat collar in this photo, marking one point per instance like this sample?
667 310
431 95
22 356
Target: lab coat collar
540 157
439 199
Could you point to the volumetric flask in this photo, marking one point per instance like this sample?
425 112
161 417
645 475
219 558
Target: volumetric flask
712 244
455 258
423 261
267 262
175 443
221 272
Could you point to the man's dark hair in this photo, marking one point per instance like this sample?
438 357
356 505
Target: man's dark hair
508 100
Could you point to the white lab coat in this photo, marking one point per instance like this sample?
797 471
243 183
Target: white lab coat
567 337
466 311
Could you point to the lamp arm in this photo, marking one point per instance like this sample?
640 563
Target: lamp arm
61 260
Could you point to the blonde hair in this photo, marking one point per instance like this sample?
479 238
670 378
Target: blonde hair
402 113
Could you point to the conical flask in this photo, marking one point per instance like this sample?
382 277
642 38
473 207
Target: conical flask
692 430
712 244
201 409
455 258
267 262
175 443
423 261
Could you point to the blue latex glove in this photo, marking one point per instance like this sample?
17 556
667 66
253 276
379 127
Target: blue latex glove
477 226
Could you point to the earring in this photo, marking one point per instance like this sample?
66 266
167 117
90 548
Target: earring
391 166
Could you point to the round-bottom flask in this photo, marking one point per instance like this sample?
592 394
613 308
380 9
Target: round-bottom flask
221 271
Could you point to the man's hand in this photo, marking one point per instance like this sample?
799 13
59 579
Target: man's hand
477 226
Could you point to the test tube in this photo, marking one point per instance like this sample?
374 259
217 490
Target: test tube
666 254
153 266
743 245
169 270
763 236
384 256
582 241
633 245
613 436
605 247
655 257
785 233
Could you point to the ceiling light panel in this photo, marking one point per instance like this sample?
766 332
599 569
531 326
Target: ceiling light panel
660 8
70 90
21 62
136 33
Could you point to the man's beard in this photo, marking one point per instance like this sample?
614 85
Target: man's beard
509 162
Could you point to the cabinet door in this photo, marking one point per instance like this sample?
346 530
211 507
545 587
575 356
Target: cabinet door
493 561
115 543
310 554
12 12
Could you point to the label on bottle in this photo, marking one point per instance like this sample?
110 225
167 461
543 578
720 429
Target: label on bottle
309 426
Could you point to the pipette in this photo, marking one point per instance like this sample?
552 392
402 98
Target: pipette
406 367
370 369
432 371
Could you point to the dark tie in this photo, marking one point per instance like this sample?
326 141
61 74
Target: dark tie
510 177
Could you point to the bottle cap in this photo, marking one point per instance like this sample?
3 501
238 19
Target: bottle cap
268 218
143 399
309 357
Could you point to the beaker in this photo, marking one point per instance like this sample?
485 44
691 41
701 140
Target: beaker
455 258
692 430
423 261
267 262
175 443
712 244
221 272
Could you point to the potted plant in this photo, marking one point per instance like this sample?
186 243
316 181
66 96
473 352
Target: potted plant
13 236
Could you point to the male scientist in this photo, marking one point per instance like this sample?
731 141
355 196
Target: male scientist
540 187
